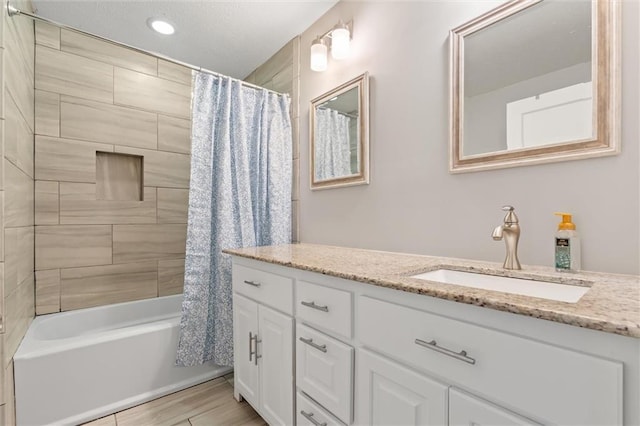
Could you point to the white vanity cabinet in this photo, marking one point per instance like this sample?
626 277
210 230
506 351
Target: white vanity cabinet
365 354
263 343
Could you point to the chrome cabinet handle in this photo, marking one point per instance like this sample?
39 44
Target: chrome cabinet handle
309 342
253 283
314 306
309 416
462 355
255 358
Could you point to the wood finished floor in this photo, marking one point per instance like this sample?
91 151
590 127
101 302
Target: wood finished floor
208 404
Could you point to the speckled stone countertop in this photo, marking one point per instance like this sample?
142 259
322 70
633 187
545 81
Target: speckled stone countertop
612 304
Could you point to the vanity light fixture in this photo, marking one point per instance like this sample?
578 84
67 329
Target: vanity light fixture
340 36
161 26
318 55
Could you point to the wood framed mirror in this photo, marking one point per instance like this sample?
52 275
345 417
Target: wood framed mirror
535 81
339 127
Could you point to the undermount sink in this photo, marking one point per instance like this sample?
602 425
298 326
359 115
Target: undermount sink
542 289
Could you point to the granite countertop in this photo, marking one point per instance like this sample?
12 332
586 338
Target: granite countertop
612 304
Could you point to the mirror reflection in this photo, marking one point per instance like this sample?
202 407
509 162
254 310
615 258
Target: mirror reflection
535 87
535 81
339 139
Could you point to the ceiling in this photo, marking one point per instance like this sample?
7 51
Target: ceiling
232 37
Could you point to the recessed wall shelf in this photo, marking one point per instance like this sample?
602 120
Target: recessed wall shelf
119 176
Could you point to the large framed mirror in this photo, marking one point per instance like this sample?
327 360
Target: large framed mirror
535 81
339 127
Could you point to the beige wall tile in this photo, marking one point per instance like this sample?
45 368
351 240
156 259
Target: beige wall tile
295 179
48 35
47 291
90 47
18 197
67 74
68 246
19 247
265 73
78 205
119 177
151 93
66 159
47 113
295 212
174 72
174 134
18 138
46 203
173 205
100 122
9 387
18 62
103 285
162 169
19 311
283 81
133 243
170 276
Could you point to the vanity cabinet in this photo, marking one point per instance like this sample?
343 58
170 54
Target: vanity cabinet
364 354
389 394
465 410
263 345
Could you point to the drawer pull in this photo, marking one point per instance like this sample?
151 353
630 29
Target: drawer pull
462 355
253 283
309 342
314 306
309 416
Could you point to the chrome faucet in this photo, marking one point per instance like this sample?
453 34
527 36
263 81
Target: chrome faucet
510 229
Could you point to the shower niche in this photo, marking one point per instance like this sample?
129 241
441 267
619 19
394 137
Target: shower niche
119 176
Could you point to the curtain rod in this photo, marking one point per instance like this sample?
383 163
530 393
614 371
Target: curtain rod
13 11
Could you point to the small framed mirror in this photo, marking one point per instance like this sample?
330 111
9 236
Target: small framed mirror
535 81
339 126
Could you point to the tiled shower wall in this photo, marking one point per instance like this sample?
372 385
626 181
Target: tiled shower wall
16 194
94 246
281 73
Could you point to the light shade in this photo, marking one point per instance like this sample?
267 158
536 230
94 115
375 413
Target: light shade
318 55
160 26
340 42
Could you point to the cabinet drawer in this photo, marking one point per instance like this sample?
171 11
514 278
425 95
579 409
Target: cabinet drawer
324 371
529 377
324 307
311 414
267 288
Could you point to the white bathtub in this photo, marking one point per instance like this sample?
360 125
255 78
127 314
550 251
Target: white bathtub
76 366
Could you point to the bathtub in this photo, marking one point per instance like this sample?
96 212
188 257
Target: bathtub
76 366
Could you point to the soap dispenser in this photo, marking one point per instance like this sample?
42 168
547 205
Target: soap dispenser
567 247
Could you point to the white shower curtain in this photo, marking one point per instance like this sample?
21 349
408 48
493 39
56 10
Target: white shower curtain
332 147
239 196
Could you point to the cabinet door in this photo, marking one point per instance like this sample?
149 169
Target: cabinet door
245 326
390 394
466 410
275 349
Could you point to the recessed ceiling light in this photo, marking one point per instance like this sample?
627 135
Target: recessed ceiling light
161 26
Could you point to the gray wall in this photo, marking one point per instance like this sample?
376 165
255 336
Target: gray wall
413 204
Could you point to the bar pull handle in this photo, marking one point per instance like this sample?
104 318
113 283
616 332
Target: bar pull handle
433 345
255 358
251 351
309 416
253 283
322 348
314 306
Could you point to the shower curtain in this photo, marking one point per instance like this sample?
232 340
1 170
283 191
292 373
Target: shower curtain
332 145
239 196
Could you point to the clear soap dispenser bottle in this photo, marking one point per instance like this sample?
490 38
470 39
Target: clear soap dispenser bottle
567 249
